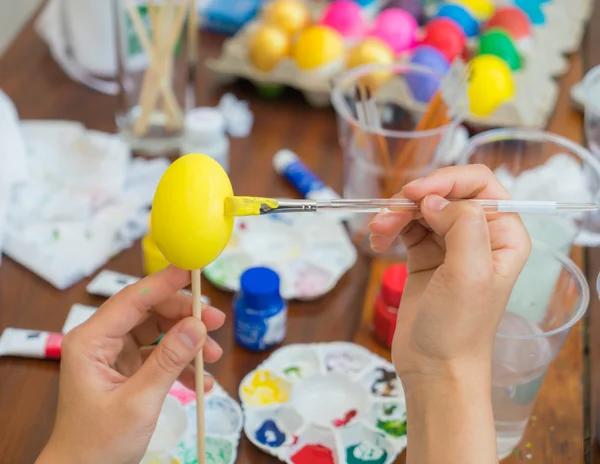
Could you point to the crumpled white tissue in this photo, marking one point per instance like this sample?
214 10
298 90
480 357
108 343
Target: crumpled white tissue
238 116
83 200
561 179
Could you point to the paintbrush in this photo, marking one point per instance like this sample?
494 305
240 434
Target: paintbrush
257 206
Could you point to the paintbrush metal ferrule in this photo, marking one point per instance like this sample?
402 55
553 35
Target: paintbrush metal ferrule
290 206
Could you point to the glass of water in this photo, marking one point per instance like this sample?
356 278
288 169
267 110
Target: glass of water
538 165
530 335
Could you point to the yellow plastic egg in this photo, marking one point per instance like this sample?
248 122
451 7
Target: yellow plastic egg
317 46
481 9
371 51
491 84
289 15
189 224
267 46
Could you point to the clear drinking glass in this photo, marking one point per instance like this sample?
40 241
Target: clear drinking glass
530 335
156 42
401 142
591 90
538 165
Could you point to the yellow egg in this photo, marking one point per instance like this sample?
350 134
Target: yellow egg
491 84
481 9
268 45
289 15
317 46
189 224
371 51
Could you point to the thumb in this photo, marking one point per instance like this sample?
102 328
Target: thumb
464 227
175 351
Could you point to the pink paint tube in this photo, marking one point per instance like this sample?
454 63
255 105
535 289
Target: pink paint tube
30 343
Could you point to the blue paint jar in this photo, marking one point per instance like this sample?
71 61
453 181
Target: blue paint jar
259 311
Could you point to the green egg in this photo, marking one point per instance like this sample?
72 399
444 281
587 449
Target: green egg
498 42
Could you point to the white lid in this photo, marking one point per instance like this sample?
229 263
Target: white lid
205 120
282 159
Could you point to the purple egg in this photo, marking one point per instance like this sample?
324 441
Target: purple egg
424 86
414 7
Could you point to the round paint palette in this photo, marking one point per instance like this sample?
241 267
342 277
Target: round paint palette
177 427
324 404
310 252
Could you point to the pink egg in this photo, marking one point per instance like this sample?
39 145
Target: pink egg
346 17
397 28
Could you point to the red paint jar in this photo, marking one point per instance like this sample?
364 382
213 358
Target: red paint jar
387 303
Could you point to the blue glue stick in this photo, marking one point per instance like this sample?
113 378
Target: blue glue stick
287 163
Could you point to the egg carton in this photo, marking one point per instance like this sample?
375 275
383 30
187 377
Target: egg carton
331 399
536 90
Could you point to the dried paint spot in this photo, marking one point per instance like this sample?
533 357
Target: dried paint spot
516 452
528 445
144 291
529 456
55 234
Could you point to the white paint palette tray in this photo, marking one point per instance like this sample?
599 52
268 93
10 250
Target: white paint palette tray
310 252
330 402
175 438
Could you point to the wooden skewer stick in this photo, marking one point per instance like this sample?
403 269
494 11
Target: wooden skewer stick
199 365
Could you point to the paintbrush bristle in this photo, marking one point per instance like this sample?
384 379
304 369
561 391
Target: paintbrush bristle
249 206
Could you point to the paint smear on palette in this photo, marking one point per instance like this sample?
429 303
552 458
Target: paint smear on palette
392 420
218 451
265 388
312 281
386 384
313 454
366 452
343 362
184 395
270 435
346 419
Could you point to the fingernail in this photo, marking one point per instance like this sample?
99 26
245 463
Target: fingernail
214 345
435 203
191 333
412 183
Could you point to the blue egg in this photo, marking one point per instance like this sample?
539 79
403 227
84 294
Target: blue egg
532 8
422 86
461 16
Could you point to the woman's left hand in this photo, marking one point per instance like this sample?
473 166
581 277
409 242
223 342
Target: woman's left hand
113 382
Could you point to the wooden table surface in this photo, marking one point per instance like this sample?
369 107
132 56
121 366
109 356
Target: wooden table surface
28 388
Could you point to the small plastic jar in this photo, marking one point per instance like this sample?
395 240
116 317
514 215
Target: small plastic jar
205 132
259 311
387 303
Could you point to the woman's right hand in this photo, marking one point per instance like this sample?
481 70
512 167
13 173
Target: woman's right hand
462 266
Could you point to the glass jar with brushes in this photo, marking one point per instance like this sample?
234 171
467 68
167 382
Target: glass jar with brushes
157 41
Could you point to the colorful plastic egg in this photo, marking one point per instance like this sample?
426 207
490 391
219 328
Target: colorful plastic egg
267 46
481 10
414 7
490 86
513 20
290 15
424 86
346 17
445 35
317 46
189 224
371 51
461 16
498 42
397 28
533 10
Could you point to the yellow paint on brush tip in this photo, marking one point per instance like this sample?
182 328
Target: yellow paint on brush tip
248 206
